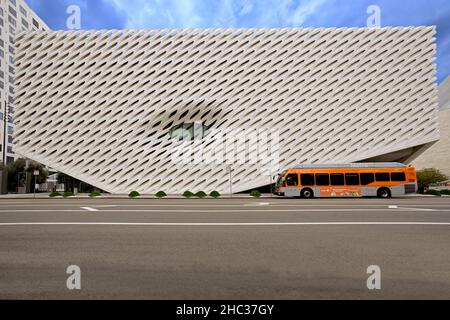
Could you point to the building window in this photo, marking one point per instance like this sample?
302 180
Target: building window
13 2
11 49
9 160
25 23
12 21
9 149
35 23
2 43
13 12
189 131
23 11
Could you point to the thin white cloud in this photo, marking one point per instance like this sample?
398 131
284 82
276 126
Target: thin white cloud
224 13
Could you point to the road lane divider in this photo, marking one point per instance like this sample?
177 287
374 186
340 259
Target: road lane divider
348 223
89 209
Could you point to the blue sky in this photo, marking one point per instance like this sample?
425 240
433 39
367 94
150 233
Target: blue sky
118 14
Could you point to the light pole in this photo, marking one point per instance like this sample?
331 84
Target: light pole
35 173
231 188
5 118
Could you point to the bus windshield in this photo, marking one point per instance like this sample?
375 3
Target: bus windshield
280 180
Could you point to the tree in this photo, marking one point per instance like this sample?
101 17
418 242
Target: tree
43 173
428 176
14 168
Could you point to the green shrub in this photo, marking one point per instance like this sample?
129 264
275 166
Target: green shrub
55 194
94 194
134 194
428 176
200 194
214 194
160 194
255 193
445 191
187 194
68 194
433 192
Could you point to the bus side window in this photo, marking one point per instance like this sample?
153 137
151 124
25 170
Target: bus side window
292 179
382 176
322 179
352 179
398 176
367 178
307 179
337 179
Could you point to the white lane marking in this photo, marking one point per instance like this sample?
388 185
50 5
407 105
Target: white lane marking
312 204
222 223
419 209
392 207
107 206
89 209
256 204
331 210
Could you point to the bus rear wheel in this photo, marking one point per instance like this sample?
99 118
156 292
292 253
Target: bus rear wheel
307 193
384 193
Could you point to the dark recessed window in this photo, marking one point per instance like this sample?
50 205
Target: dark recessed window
322 179
307 179
367 178
189 131
398 176
352 179
382 176
337 179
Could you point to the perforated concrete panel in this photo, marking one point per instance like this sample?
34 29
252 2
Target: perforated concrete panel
119 109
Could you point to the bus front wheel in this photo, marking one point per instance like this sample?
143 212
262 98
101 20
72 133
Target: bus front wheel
384 193
307 193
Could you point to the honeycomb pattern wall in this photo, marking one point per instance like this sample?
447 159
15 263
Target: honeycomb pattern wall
107 106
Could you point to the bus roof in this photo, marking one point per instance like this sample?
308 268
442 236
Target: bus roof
350 165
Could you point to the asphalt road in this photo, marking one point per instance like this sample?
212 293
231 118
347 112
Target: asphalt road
225 248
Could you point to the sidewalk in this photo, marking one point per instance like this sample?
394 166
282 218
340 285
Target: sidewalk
125 196
171 196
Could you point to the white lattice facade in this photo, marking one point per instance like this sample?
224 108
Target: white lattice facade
110 107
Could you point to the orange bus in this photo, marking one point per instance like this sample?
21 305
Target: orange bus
383 180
